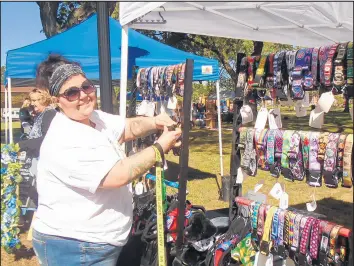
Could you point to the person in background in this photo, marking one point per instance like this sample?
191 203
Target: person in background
25 113
43 113
85 210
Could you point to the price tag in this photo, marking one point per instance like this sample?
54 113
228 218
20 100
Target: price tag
139 188
246 114
316 118
276 191
172 102
311 206
259 185
240 176
262 118
300 111
326 101
274 118
284 201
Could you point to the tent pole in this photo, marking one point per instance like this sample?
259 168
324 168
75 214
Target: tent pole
10 108
6 118
219 126
123 73
104 51
183 159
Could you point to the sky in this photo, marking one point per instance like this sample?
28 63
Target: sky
20 26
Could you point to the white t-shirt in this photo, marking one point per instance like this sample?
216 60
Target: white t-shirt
74 158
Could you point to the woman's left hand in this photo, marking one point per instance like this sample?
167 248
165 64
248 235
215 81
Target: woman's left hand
163 120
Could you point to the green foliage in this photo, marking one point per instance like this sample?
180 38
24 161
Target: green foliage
3 69
202 89
57 17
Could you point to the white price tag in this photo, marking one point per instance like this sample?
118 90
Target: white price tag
262 118
316 118
276 191
259 185
284 201
240 177
300 111
274 119
172 103
139 188
306 100
311 206
326 101
246 114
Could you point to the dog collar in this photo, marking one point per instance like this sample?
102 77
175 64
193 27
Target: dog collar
271 146
285 151
323 54
350 74
304 256
347 162
266 244
314 165
339 69
261 217
295 158
329 176
261 140
329 66
314 66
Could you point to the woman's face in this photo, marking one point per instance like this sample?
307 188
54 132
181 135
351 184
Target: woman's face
79 110
38 107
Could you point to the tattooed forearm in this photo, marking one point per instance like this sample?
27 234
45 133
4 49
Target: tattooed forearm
128 169
139 127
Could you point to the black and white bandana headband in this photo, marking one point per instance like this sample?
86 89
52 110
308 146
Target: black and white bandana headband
60 75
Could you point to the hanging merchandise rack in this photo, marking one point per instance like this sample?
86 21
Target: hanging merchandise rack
289 74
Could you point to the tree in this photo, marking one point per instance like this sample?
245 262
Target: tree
3 74
57 17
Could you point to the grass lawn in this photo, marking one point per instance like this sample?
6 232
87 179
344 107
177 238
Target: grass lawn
336 204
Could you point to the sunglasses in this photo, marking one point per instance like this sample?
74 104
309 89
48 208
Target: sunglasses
73 93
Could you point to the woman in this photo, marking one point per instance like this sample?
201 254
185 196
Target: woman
25 115
43 111
84 211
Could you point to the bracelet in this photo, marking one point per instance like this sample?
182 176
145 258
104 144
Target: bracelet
159 148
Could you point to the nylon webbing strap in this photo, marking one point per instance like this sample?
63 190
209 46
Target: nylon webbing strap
350 73
270 72
332 244
314 66
329 175
259 78
339 69
340 156
295 157
328 71
315 176
347 162
160 210
266 244
323 54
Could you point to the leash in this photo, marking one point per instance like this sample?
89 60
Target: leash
160 206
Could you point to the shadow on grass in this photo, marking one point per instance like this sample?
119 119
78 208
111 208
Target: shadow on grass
336 211
173 171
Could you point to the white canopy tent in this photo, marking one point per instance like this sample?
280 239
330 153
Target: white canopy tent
308 24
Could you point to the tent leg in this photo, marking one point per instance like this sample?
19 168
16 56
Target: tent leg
219 127
6 117
10 108
123 73
104 51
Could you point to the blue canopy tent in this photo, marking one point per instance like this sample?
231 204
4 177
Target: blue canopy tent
80 44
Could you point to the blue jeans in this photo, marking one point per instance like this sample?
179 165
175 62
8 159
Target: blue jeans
61 251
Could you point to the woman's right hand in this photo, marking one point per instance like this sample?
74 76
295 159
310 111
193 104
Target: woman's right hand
168 139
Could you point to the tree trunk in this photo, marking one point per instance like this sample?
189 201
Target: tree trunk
257 48
48 14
